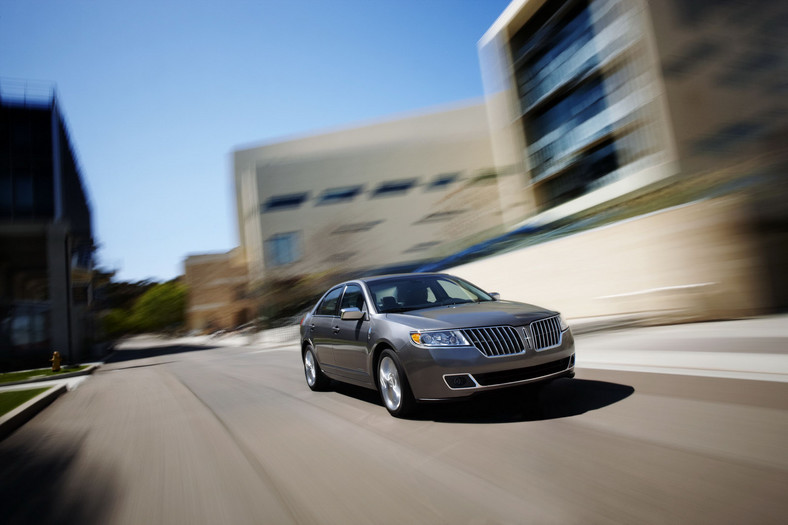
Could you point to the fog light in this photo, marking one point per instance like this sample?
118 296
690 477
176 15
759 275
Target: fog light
459 381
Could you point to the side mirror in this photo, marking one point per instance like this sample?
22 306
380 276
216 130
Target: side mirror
496 296
351 314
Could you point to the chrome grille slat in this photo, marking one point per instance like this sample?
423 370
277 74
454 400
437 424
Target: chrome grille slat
500 339
495 341
493 338
489 341
546 333
506 341
508 337
482 338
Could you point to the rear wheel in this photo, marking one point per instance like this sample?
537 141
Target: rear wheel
393 385
315 378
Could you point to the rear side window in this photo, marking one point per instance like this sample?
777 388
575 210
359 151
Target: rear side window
328 306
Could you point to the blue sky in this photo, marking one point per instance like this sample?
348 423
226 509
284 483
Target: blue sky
157 95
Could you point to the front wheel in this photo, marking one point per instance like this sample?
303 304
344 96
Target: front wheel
315 378
393 385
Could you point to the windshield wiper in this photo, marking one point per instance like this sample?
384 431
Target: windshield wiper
397 310
459 301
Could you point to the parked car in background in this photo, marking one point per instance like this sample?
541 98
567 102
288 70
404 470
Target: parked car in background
428 337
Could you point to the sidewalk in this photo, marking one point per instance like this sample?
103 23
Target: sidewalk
56 386
754 349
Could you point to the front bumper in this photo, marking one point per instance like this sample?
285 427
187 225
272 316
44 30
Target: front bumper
450 373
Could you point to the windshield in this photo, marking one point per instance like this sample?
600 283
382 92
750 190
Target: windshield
400 294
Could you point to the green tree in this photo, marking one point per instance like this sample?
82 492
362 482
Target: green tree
162 307
115 323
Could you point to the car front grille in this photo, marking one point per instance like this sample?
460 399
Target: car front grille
545 333
495 341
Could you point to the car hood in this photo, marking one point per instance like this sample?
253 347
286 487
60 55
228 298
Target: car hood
490 313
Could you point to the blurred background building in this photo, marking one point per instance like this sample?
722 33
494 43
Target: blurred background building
576 104
218 292
592 100
46 240
386 194
603 105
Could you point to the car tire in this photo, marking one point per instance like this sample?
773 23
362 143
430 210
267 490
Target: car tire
393 385
315 378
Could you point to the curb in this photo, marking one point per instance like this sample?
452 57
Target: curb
32 380
24 413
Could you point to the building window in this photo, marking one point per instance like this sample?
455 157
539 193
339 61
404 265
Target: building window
440 216
340 257
356 227
23 194
443 180
420 247
560 50
337 195
588 171
488 176
283 248
394 187
568 126
284 202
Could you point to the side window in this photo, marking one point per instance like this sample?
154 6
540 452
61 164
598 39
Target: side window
353 298
329 304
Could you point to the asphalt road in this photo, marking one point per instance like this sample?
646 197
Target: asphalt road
177 434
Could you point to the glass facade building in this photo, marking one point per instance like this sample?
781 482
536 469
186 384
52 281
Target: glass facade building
46 241
572 102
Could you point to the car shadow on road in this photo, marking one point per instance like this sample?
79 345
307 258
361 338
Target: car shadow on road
357 392
559 399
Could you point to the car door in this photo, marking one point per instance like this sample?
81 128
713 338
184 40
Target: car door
322 324
350 346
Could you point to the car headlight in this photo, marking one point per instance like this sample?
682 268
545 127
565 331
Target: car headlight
564 324
439 338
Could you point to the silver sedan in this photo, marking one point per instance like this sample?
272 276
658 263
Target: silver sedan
430 337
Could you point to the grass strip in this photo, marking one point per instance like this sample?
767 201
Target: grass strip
10 377
14 398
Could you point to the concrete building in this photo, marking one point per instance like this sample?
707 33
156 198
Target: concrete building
591 100
218 292
46 240
383 194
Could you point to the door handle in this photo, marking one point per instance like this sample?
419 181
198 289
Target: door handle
336 329
312 327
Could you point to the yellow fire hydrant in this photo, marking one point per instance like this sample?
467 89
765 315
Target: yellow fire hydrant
55 362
